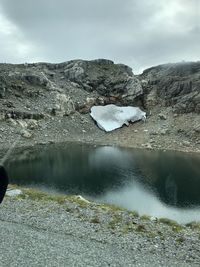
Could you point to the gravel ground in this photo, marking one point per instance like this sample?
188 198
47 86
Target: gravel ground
72 232
181 133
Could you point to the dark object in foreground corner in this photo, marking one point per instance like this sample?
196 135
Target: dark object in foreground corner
3 182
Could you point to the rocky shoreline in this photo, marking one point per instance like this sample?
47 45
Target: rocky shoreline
154 134
101 235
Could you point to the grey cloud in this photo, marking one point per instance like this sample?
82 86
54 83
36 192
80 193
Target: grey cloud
137 32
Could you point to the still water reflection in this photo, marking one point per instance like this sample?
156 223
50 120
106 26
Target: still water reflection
161 184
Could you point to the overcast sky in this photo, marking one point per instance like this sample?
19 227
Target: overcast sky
140 33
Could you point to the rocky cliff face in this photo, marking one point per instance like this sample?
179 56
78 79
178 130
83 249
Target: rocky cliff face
43 88
50 102
176 85
69 86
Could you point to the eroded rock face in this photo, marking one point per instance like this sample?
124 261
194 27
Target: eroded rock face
176 85
33 91
64 105
108 79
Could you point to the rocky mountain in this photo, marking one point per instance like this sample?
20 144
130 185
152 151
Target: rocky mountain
63 88
62 93
176 85
42 88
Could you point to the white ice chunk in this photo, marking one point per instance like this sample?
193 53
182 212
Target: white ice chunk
111 117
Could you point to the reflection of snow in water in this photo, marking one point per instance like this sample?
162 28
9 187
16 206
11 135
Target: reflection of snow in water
134 197
118 176
171 190
107 155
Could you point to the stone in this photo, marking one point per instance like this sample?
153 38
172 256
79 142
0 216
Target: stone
13 192
79 197
101 100
35 78
149 146
133 89
162 116
43 143
90 101
164 131
180 130
153 219
12 122
22 123
26 134
186 143
2 117
197 128
32 124
151 98
64 105
86 106
154 133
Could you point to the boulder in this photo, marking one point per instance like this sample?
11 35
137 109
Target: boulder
32 124
13 192
162 116
64 105
35 78
26 134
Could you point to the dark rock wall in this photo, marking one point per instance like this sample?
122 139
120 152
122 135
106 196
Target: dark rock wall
176 85
40 87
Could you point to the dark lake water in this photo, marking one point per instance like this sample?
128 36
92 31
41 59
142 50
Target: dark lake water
161 184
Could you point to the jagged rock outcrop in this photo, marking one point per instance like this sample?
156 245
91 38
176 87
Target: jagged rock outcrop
33 91
176 85
105 77
60 89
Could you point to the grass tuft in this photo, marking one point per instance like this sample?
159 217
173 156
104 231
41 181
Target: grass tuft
145 217
194 226
175 226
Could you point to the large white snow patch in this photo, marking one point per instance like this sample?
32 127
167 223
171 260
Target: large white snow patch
111 117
